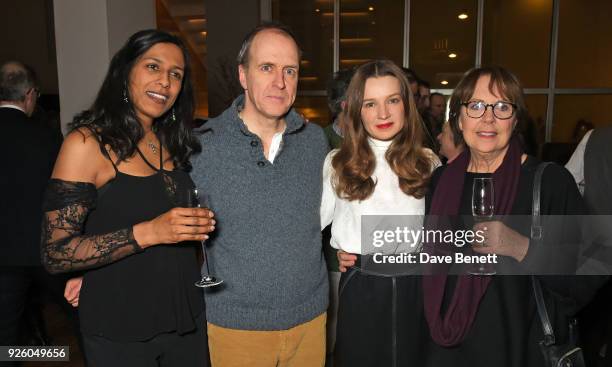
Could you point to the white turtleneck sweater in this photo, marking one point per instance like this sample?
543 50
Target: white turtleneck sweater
387 199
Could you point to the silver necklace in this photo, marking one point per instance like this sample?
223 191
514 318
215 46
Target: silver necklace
152 146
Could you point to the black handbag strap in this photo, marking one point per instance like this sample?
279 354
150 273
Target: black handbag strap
536 225
549 335
536 238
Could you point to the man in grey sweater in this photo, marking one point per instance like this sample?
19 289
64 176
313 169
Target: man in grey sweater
261 168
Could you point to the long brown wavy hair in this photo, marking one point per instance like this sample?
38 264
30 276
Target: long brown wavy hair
354 163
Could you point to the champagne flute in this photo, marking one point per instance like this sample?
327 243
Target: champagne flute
483 208
197 200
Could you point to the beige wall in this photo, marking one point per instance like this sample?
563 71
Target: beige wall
82 53
228 23
88 33
125 17
26 34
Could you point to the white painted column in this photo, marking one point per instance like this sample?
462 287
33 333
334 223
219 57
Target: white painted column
87 34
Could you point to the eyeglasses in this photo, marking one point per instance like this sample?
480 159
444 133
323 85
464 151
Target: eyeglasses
501 110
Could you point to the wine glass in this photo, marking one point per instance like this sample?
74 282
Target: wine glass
197 200
483 197
483 208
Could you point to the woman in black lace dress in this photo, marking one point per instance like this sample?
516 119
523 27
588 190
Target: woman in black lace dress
113 211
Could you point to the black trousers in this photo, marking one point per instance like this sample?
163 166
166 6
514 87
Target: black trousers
380 321
16 286
164 350
595 323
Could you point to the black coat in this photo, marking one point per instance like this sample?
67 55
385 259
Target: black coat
506 330
28 150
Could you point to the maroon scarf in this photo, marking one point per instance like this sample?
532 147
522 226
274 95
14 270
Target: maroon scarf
451 328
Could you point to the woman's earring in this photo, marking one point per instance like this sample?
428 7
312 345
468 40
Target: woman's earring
173 116
125 97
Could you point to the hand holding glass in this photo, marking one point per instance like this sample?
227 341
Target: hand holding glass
483 208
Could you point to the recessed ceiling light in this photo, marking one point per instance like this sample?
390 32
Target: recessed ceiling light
463 16
317 10
444 82
452 55
371 8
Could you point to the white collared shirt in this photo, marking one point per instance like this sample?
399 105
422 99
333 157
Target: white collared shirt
275 143
576 163
275 146
15 107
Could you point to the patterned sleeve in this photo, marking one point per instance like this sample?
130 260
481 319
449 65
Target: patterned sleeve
64 247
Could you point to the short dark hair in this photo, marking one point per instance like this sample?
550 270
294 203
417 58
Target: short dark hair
112 117
507 85
243 54
336 90
436 94
16 79
457 140
424 83
411 75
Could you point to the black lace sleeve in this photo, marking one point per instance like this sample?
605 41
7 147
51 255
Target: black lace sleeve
64 247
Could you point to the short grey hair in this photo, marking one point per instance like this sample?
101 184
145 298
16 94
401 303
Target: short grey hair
16 79
243 54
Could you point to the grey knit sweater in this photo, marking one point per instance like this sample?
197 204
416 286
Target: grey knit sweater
267 242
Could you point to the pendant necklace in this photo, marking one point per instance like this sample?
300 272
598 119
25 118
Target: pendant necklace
152 146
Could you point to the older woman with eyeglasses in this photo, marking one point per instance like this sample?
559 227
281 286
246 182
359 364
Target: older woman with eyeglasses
492 320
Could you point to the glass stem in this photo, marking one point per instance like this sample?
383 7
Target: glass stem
203 243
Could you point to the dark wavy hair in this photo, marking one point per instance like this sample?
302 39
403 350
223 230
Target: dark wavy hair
113 120
354 163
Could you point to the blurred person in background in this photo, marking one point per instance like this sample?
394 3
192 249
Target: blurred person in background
30 149
413 81
437 107
423 96
450 144
591 166
434 116
336 101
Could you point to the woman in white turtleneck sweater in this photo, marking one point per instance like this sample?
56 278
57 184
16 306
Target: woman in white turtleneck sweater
380 169
386 199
